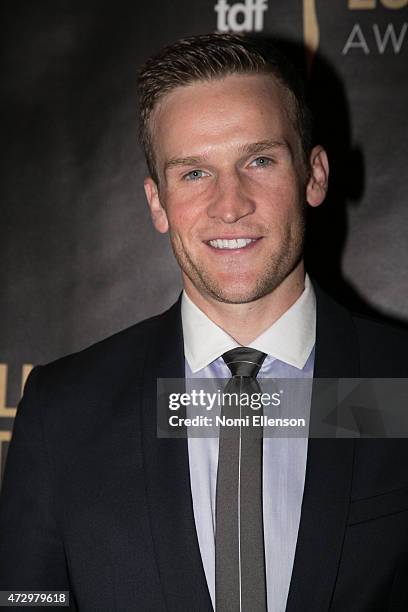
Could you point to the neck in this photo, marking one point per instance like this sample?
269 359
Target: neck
245 322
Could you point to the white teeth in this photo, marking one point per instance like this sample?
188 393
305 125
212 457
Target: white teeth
238 243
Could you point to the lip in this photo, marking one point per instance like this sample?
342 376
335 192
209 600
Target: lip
235 237
246 249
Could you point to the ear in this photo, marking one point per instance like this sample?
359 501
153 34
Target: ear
319 176
157 212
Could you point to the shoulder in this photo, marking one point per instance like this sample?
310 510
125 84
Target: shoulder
379 329
102 369
382 345
374 347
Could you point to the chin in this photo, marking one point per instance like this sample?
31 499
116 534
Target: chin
231 293
244 288
244 298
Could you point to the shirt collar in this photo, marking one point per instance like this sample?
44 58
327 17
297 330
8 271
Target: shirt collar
290 339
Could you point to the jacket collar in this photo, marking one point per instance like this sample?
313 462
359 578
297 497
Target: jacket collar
168 480
328 471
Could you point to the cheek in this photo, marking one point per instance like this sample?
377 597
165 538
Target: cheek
288 197
280 206
287 185
182 215
280 181
185 209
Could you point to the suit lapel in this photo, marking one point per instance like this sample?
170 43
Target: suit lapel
328 472
168 489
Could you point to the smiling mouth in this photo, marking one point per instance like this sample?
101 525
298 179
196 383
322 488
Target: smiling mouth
235 243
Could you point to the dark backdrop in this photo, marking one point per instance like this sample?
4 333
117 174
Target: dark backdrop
79 258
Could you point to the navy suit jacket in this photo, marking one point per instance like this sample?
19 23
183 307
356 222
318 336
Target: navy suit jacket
93 502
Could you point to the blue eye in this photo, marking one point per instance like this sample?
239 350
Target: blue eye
194 175
261 162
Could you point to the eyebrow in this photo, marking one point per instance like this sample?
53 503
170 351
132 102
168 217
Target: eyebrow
257 147
246 149
183 161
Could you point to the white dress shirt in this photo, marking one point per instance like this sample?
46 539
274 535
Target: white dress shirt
289 346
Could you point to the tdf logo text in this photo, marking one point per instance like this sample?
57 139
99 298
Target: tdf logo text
245 16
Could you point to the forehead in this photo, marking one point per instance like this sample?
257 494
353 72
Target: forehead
208 114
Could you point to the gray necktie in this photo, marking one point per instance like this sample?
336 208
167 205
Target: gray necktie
240 581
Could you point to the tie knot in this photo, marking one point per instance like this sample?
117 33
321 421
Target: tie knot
243 361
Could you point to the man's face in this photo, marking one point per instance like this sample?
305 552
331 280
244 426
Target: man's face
233 187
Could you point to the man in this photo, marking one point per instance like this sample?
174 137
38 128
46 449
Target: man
94 502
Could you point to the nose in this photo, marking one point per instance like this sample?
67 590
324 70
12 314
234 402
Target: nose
231 201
